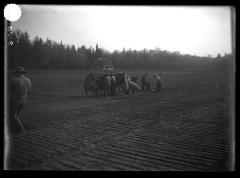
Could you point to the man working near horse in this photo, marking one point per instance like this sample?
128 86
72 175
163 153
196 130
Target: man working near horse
158 82
113 84
145 83
20 87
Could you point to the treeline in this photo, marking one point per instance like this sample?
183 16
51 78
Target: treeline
39 54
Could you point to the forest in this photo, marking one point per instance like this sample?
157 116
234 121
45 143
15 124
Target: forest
49 54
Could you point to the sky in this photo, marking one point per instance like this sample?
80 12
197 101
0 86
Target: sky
195 30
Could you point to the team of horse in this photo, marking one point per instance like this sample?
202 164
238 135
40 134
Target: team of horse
107 84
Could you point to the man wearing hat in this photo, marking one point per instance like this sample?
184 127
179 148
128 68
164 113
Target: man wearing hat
20 87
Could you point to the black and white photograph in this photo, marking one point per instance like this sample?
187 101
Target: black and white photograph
119 87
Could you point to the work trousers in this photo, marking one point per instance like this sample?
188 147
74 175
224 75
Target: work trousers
15 108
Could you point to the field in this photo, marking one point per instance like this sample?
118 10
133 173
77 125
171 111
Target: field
188 126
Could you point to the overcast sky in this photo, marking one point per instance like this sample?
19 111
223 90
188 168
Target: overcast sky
195 30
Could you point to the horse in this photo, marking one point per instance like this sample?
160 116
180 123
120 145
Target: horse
90 84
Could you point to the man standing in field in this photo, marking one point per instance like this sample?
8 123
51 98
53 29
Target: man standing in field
158 82
20 87
143 81
113 85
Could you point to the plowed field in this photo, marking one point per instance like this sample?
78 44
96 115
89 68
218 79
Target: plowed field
188 126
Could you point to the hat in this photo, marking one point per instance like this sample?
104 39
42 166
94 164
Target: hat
20 70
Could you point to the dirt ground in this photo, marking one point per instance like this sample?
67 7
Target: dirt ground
188 126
